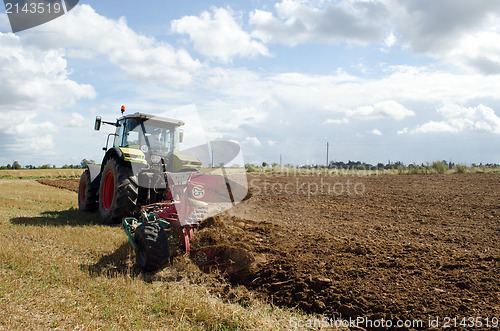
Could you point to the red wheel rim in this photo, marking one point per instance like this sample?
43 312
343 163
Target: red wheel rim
83 188
108 190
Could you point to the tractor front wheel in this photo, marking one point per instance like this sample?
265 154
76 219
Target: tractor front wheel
87 195
117 192
152 247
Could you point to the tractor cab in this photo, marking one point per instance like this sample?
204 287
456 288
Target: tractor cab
150 140
149 136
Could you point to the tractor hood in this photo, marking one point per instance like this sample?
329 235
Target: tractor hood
185 162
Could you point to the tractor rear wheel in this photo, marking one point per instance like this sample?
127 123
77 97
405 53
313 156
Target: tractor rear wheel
87 195
153 248
117 191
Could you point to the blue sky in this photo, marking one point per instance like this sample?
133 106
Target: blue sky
379 80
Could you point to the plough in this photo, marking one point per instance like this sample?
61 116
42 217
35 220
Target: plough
179 216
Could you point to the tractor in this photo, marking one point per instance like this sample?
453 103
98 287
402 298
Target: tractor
153 190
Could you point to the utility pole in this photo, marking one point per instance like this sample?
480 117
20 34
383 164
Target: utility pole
327 145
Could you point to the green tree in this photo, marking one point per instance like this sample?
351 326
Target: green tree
16 165
86 162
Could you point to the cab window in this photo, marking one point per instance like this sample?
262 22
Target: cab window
130 134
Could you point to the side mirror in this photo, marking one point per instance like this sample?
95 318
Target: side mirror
97 125
181 136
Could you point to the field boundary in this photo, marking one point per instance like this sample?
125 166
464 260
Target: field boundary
40 173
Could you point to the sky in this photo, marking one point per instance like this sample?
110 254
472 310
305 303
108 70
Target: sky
378 80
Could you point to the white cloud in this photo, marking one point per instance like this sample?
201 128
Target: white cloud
33 79
480 51
434 26
85 33
252 140
384 109
20 132
336 121
297 109
375 132
458 118
32 82
219 35
390 40
298 21
434 126
403 131
247 104
462 32
76 120
271 142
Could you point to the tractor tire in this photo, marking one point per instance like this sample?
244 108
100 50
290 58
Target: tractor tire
87 195
152 247
117 191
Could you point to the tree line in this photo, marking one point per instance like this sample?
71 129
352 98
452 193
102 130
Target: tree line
358 165
17 166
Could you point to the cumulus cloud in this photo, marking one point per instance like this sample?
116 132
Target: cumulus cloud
20 132
375 132
458 118
271 142
437 25
272 106
385 109
252 141
390 40
403 131
85 33
299 21
218 35
433 126
33 79
76 120
336 121
462 32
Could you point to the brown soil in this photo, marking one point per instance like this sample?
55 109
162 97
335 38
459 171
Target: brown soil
394 247
68 184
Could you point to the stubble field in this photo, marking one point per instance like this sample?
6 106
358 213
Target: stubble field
408 247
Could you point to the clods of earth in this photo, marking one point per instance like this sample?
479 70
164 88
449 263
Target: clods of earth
408 247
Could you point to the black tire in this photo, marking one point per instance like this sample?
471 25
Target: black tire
153 248
87 195
117 191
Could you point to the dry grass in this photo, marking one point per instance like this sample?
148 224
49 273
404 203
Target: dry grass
60 269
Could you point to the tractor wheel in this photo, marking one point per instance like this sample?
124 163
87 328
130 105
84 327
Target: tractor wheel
87 195
153 249
117 192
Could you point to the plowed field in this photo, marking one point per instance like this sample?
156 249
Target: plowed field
395 247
